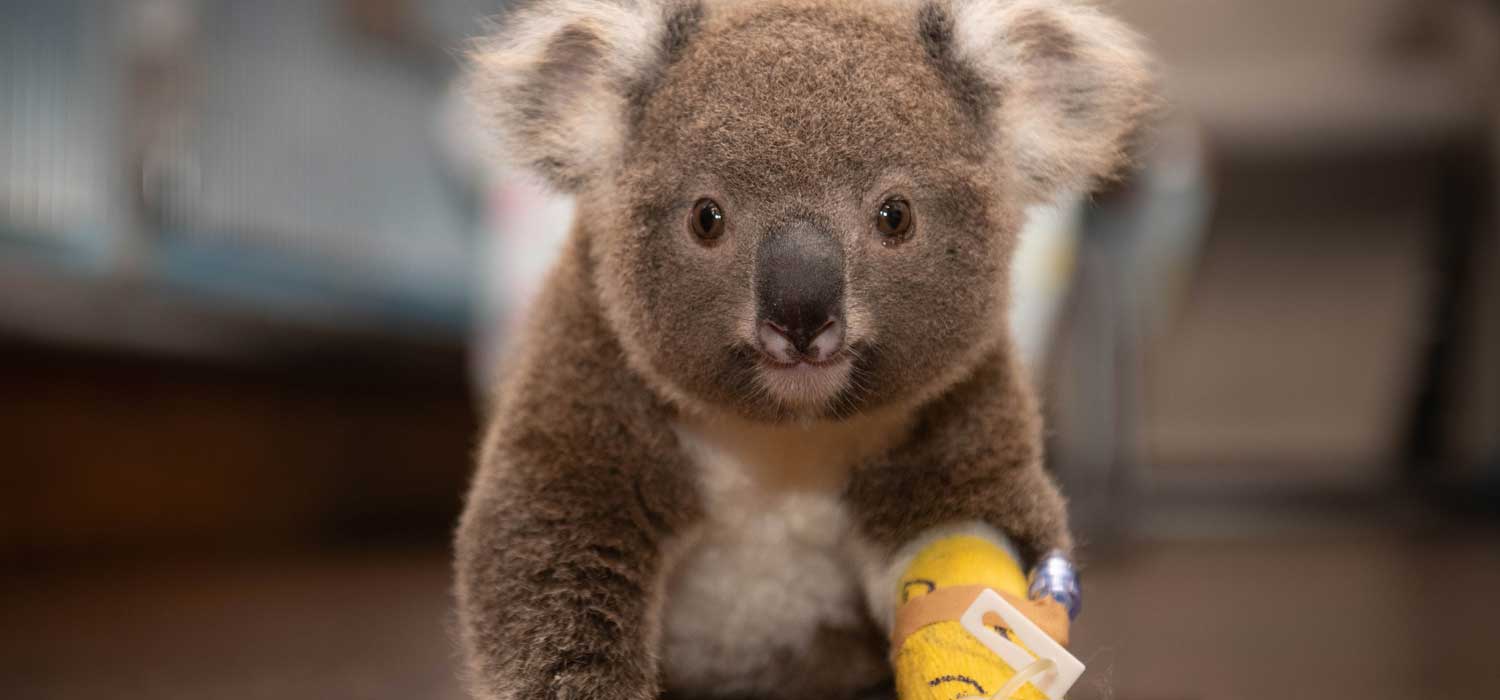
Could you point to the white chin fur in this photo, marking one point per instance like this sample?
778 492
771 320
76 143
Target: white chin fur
805 385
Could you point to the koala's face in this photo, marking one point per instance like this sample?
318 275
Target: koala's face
807 218
800 210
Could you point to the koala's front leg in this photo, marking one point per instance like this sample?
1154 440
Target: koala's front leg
960 510
977 459
559 558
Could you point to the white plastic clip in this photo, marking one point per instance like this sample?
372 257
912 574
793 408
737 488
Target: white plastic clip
1053 682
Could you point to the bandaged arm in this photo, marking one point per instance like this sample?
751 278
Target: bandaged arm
935 579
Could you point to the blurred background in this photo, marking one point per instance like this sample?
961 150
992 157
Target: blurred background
254 271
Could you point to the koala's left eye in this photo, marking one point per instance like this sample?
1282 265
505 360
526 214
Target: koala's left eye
893 220
707 220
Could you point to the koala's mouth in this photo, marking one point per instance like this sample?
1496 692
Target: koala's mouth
805 382
803 364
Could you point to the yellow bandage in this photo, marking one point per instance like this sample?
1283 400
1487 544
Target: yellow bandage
963 560
934 657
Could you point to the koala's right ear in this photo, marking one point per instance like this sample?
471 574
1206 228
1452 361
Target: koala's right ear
555 79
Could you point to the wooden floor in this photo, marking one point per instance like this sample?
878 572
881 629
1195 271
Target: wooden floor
346 626
1354 615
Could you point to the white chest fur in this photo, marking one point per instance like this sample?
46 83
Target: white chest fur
777 559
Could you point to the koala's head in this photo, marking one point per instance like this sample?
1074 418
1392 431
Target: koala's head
799 209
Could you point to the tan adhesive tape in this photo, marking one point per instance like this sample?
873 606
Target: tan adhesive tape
948 604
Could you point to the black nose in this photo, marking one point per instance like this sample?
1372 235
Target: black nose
799 285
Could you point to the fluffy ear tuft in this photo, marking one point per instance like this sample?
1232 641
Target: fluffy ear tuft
1073 86
555 80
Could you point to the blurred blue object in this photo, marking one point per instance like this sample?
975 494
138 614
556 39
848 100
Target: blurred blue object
59 115
1055 577
268 159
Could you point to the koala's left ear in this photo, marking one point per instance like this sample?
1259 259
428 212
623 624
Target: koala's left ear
1067 85
556 79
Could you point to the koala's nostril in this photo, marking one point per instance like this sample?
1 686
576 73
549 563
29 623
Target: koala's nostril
826 341
777 342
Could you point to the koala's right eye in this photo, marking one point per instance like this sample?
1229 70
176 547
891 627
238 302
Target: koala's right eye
707 220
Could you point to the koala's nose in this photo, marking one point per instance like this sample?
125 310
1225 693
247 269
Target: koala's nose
799 285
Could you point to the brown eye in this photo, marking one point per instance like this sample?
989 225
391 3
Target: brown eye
894 218
707 220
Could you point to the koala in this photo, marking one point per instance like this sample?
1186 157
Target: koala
773 356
